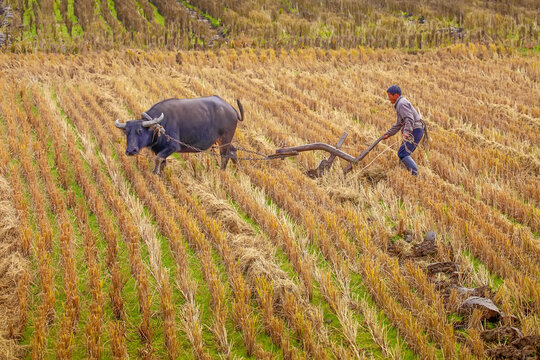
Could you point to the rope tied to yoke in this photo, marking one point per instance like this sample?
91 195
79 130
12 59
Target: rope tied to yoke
375 158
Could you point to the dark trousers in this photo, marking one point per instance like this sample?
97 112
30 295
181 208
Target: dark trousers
408 147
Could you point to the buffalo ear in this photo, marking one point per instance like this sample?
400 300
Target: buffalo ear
119 125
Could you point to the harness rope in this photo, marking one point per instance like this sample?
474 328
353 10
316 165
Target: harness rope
375 158
160 131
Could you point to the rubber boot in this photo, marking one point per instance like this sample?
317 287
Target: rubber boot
410 164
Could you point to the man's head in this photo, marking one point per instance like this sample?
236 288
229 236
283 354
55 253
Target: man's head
393 92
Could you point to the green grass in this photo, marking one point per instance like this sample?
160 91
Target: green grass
130 304
158 18
97 12
364 340
281 260
34 296
60 20
112 8
358 290
289 6
29 21
76 29
215 22
140 10
79 346
497 281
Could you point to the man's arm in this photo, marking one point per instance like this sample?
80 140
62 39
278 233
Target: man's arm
393 130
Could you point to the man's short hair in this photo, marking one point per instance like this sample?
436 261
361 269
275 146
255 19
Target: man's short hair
394 89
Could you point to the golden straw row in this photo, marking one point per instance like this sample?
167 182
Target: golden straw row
193 236
43 237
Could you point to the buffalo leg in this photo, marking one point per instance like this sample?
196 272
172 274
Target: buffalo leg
159 164
227 151
162 165
161 160
224 162
234 157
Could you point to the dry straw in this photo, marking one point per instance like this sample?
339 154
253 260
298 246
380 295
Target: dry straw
467 192
13 270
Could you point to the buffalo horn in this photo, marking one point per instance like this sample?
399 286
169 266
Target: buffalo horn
152 122
119 124
146 116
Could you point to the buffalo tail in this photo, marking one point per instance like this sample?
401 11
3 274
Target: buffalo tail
241 118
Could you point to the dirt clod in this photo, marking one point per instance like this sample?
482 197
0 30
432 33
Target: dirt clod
527 348
502 334
442 267
426 247
491 311
399 248
482 291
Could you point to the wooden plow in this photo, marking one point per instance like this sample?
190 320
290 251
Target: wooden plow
325 164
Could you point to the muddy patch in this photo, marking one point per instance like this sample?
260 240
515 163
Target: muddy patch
442 267
527 347
470 307
404 246
502 334
426 247
481 291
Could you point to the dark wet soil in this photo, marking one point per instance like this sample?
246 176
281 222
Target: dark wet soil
525 348
504 341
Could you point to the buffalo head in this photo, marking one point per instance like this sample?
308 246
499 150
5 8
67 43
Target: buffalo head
138 133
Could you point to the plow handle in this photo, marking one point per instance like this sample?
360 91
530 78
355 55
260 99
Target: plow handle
362 155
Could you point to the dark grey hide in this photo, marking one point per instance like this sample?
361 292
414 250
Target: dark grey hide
199 123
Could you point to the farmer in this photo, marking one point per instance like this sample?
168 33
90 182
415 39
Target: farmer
411 125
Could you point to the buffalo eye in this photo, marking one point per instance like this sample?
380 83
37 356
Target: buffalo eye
139 131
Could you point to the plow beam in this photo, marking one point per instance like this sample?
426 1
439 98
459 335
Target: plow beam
317 146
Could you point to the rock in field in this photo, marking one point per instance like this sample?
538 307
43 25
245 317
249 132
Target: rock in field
491 311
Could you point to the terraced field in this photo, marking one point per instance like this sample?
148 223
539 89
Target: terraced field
260 261
79 26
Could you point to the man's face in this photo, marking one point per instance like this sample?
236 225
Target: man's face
392 97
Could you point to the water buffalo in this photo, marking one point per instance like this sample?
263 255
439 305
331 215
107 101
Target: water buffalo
196 123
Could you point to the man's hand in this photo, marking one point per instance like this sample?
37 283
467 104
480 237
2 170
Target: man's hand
385 136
